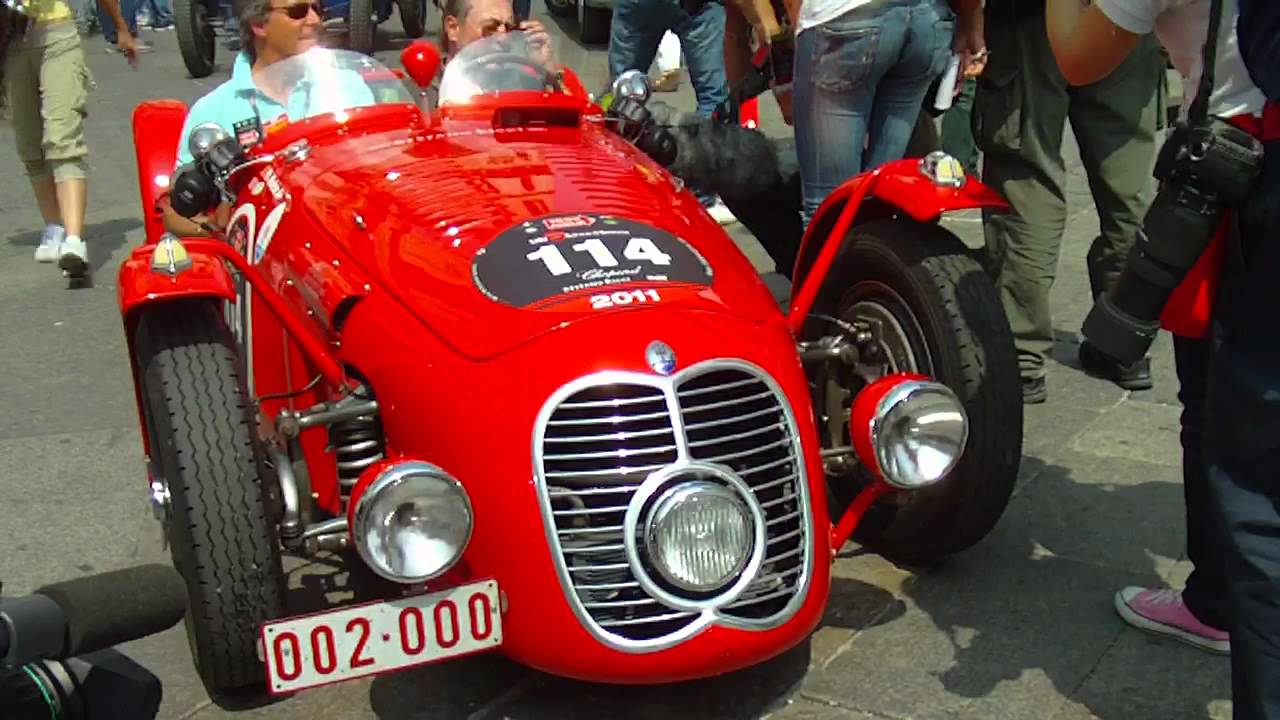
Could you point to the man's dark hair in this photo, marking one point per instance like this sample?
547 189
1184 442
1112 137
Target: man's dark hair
451 8
251 12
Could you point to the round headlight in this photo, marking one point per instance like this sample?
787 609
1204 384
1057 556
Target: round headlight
699 536
412 522
919 434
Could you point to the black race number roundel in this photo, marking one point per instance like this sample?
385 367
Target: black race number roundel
544 258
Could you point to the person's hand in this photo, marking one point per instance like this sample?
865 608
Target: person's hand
970 43
128 45
539 41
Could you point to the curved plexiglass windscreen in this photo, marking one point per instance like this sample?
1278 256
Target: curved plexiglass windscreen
514 60
324 81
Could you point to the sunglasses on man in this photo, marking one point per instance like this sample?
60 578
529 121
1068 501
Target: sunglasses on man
298 11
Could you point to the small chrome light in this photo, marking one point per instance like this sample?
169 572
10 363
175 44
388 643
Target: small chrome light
699 536
412 523
942 169
170 256
919 433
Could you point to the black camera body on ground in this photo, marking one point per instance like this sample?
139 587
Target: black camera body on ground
1202 170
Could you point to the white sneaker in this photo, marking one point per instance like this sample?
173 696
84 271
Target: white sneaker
74 257
721 213
47 250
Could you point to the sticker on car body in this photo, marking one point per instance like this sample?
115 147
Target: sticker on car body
595 261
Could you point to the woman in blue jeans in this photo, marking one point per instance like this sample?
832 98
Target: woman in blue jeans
862 69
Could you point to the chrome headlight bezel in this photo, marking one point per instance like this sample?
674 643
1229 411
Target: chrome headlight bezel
635 539
402 478
673 499
903 398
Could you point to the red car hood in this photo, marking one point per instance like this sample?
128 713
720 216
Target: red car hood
447 223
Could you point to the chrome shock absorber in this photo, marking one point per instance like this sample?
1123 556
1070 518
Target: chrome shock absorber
357 442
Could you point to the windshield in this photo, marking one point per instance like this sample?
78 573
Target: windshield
323 81
515 60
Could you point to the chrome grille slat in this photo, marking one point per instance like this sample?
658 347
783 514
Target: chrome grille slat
753 451
717 388
767 466
738 436
771 503
639 621
597 442
617 402
740 418
623 435
610 419
773 483
608 586
594 491
593 568
620 603
646 469
726 403
592 531
593 549
589 511
784 518
752 601
623 453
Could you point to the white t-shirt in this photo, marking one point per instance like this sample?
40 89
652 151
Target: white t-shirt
1182 27
816 12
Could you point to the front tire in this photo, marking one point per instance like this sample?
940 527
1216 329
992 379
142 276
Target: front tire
221 535
196 40
940 317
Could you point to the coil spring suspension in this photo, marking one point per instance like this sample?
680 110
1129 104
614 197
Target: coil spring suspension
357 443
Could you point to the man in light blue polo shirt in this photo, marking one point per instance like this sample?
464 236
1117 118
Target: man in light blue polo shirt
271 31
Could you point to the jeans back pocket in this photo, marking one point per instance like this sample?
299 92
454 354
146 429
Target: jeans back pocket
843 57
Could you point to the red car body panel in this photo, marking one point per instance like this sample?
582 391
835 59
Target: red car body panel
157 127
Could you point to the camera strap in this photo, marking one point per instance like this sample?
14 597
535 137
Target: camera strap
1198 113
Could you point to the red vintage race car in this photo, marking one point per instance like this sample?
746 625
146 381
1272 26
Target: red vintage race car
495 358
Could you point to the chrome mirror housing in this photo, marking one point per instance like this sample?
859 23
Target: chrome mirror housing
204 137
633 85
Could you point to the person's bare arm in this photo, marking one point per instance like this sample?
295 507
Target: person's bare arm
198 226
1086 43
124 39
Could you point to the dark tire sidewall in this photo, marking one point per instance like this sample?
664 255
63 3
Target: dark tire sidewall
199 577
900 256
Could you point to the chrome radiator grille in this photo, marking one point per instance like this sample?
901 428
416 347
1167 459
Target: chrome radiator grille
734 419
600 442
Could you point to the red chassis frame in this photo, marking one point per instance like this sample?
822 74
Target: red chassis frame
319 319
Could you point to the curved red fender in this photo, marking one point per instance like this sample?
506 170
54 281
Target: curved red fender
139 285
899 185
157 126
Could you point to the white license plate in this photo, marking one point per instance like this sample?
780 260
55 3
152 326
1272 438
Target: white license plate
351 642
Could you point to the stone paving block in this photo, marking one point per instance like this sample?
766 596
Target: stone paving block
1122 514
1145 432
1147 676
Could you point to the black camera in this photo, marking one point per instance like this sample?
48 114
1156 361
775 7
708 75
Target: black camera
56 654
1202 170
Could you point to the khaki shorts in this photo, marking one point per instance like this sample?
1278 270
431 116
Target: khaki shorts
47 85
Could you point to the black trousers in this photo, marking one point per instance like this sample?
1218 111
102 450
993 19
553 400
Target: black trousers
1242 443
1206 589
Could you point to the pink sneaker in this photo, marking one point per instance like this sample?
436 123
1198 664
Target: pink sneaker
1162 612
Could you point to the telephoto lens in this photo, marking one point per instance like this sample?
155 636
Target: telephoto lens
1202 171
1176 230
